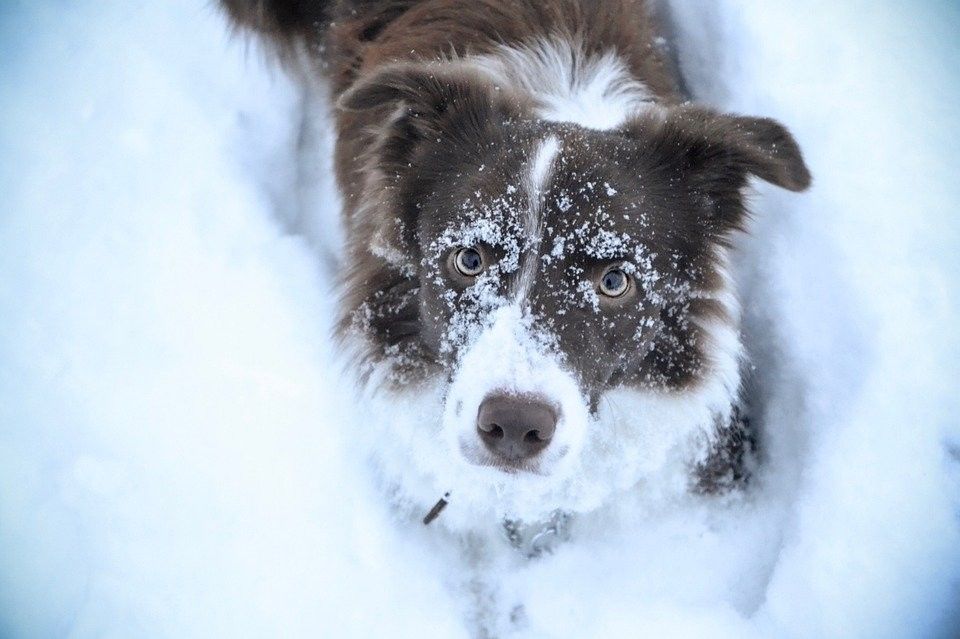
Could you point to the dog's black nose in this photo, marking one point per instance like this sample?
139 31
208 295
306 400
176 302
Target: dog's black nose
515 427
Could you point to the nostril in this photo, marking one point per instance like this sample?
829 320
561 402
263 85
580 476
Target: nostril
533 437
491 430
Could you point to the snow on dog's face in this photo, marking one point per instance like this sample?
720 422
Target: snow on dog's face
558 292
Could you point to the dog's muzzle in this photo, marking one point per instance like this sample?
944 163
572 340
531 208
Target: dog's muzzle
510 405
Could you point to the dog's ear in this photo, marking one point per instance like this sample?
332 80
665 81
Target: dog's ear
428 90
425 102
425 118
719 152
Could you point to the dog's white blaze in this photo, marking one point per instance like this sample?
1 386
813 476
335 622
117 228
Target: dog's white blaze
596 91
540 169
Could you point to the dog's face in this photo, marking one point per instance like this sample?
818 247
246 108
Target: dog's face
561 289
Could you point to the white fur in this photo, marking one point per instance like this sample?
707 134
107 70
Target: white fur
541 168
724 348
595 92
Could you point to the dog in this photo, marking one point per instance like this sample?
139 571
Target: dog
536 283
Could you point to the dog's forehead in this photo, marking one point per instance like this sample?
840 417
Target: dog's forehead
596 180
568 190
593 209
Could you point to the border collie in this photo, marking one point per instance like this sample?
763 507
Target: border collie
538 228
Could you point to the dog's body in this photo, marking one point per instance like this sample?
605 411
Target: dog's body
537 238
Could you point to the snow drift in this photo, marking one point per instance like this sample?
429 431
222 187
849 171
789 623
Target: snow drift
176 451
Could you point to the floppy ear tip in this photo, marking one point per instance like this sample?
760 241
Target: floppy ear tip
788 168
800 178
797 175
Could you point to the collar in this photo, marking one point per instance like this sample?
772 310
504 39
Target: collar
539 538
530 540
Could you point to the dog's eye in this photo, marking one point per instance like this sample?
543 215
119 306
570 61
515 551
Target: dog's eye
614 283
469 262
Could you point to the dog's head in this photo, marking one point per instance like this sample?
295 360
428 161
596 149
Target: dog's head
562 289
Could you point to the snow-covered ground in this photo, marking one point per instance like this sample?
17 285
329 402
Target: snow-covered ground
175 438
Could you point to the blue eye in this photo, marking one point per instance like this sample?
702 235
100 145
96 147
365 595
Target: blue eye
614 283
468 262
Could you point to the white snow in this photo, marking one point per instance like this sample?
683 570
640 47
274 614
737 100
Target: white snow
177 450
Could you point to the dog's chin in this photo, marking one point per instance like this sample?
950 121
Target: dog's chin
490 490
475 457
486 485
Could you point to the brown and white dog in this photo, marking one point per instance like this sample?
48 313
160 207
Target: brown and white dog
538 229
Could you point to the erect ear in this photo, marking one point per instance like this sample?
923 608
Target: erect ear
450 103
721 151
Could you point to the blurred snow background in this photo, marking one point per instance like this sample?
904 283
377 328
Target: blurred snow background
175 438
